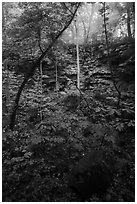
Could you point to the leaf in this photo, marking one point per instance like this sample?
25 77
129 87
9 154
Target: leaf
17 159
28 154
131 123
97 109
120 127
36 139
111 112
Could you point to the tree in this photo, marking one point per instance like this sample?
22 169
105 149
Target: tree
128 20
126 12
77 51
5 17
36 63
88 11
104 13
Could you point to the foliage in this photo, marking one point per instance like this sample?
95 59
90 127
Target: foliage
56 128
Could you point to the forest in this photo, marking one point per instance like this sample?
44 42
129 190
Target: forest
68 101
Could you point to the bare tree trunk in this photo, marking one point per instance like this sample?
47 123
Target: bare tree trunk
108 53
133 11
78 66
57 84
128 23
77 50
41 101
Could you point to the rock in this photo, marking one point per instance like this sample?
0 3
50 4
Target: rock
92 175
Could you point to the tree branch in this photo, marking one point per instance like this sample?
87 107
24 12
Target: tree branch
40 47
67 8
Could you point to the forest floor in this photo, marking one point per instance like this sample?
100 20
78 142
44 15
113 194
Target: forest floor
38 155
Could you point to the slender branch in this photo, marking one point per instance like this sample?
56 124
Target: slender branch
67 8
59 34
39 39
40 46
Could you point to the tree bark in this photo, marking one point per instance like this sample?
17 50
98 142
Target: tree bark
41 88
128 23
57 83
77 51
32 71
13 115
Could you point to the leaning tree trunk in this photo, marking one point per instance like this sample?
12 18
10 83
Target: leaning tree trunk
14 111
32 71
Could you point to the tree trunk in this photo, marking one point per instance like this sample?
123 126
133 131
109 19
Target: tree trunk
108 53
14 111
133 16
32 71
128 23
77 51
57 84
41 100
78 77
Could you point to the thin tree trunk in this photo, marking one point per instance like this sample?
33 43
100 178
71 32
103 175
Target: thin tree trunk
108 53
32 71
78 76
87 31
90 19
77 51
128 23
41 101
133 11
57 85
